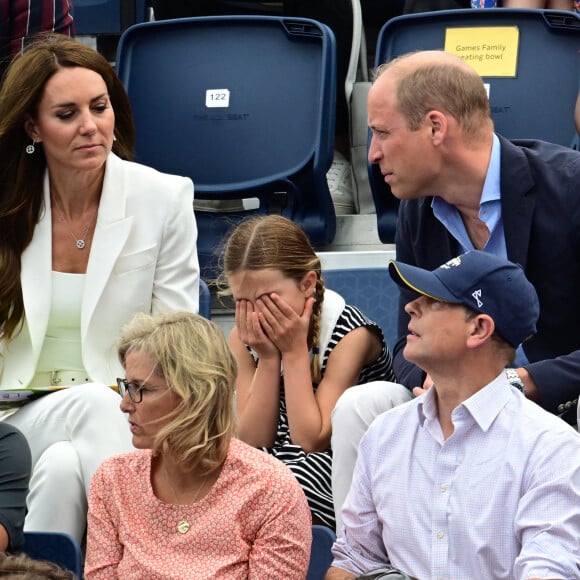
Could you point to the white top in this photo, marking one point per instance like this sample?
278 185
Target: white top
143 259
61 349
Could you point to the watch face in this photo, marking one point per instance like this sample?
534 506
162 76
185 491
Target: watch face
514 380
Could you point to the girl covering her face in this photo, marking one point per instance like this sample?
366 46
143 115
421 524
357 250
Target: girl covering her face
298 347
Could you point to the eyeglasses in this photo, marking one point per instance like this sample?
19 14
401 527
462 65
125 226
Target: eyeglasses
135 390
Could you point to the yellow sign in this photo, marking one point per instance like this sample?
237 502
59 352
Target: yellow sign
491 50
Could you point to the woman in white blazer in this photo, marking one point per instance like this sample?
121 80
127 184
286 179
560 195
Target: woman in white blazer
87 239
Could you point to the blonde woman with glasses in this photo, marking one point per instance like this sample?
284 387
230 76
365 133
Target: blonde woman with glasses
192 501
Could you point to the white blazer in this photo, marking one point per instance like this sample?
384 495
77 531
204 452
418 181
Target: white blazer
143 258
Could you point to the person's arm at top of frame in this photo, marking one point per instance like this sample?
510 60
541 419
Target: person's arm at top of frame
15 469
551 4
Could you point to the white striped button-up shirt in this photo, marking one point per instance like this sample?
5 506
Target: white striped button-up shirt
499 499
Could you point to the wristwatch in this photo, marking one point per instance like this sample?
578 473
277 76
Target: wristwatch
514 380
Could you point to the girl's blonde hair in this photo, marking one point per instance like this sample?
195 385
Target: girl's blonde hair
275 243
192 355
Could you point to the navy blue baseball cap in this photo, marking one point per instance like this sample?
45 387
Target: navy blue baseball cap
483 282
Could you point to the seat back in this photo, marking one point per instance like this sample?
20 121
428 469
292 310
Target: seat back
204 300
537 103
58 548
94 17
371 290
320 555
244 105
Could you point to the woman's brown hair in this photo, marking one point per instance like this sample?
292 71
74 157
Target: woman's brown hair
21 175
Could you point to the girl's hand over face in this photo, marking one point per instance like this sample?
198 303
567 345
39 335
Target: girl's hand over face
283 326
250 330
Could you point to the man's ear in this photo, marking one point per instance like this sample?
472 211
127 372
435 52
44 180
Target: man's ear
481 330
437 123
31 129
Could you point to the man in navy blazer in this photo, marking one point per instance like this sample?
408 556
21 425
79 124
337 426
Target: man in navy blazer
540 210
463 187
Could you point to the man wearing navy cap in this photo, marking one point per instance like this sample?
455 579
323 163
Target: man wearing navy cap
470 479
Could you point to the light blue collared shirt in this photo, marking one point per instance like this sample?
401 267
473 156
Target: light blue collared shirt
489 213
489 210
497 499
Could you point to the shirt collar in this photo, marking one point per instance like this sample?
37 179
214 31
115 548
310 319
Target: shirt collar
484 406
489 208
427 407
491 186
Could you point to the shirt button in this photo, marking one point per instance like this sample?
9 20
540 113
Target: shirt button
443 488
440 535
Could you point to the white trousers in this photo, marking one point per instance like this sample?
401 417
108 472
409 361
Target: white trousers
70 433
354 411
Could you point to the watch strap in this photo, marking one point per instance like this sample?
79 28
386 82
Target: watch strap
514 380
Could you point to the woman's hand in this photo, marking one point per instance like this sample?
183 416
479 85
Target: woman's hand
250 330
282 325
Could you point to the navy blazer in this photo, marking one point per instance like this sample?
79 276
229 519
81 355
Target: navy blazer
540 201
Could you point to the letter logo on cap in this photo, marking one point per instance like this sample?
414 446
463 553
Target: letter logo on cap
452 263
477 296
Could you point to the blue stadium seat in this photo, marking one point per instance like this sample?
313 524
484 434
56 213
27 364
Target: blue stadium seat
320 555
372 291
204 300
245 106
538 103
94 17
58 548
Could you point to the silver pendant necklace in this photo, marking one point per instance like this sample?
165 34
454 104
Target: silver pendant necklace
80 243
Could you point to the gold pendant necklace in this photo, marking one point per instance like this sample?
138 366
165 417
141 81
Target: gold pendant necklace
183 526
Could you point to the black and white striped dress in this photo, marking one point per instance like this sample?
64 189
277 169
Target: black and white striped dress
313 470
